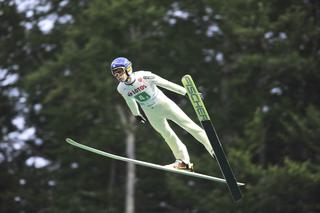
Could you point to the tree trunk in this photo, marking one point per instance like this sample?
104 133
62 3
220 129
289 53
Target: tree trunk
129 129
131 173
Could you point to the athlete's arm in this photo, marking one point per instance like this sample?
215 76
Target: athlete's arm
161 82
132 104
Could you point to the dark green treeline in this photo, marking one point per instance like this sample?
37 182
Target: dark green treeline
256 62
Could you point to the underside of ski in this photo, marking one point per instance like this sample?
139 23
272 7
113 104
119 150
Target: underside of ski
146 164
207 125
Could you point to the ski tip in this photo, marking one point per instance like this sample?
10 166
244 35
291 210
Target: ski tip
69 140
186 76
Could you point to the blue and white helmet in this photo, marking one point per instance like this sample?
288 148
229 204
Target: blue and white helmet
121 62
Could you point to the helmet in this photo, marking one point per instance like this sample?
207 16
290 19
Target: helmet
121 62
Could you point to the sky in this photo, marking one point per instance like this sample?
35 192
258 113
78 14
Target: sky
46 24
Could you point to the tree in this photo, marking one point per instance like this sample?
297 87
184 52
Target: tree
255 62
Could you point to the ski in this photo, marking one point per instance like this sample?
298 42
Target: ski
207 125
146 164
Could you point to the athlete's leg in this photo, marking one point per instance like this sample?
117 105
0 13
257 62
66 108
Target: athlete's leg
161 125
178 116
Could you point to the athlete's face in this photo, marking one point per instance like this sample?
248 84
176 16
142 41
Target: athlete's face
120 74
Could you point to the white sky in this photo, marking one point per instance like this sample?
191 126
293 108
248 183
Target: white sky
47 23
37 162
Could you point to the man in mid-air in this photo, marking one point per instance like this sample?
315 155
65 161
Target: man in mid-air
141 87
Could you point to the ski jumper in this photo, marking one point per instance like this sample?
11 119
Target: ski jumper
159 108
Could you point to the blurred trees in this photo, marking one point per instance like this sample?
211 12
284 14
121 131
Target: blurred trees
255 62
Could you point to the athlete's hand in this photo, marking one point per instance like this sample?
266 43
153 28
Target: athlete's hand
141 119
201 95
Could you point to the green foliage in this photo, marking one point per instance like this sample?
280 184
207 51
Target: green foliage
256 63
282 186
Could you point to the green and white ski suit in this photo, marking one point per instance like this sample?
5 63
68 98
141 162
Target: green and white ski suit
158 108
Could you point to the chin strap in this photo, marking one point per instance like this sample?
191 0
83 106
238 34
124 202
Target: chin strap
130 80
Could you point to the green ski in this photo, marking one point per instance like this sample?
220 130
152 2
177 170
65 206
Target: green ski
207 125
146 164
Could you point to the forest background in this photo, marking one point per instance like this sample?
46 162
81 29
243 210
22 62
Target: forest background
255 61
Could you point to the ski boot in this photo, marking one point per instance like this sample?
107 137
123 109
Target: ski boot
179 164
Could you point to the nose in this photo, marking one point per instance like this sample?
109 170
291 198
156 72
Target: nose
119 75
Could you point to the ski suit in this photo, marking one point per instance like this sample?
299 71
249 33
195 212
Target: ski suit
158 108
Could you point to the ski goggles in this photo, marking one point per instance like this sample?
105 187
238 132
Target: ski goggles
120 70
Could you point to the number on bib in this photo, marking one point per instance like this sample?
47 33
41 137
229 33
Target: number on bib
142 97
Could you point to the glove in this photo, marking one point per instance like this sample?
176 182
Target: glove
201 95
141 119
